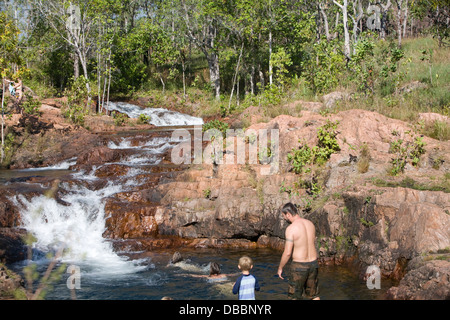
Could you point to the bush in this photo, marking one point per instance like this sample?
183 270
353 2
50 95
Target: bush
405 151
216 124
119 119
305 156
76 110
31 105
144 118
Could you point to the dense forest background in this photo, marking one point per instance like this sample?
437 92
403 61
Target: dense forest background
226 55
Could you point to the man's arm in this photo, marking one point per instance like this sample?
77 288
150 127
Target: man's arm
288 246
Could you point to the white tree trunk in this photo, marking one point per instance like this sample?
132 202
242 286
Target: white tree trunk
405 19
214 73
325 21
270 59
344 8
399 4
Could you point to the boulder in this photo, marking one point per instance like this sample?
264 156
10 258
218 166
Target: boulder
99 155
10 283
12 246
431 281
332 99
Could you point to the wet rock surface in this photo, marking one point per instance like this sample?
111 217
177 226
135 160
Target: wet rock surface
226 206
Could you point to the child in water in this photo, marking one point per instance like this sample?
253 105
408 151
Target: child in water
214 273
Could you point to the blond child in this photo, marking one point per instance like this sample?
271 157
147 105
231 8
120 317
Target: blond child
246 284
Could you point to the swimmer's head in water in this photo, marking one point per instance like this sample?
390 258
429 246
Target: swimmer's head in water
215 268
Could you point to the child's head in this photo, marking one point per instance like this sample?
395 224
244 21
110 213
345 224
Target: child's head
214 269
245 263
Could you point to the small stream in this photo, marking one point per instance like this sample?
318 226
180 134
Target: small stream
76 220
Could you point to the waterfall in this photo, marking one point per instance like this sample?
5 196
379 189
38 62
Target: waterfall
77 223
158 116
76 218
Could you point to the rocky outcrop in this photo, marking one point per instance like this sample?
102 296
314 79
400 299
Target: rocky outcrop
12 246
354 217
384 227
332 99
428 281
229 202
11 284
360 215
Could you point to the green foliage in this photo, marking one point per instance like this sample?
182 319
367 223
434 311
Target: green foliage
144 118
405 151
76 110
375 65
31 105
437 12
306 160
272 95
323 66
8 149
366 223
207 193
120 119
281 60
265 153
216 124
170 46
303 157
327 144
10 56
363 64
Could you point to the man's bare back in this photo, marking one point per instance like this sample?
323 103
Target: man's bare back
303 234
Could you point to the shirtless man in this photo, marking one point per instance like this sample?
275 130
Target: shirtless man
300 245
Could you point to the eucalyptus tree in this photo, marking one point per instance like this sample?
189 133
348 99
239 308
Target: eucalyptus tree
344 8
401 7
10 62
74 23
438 14
106 27
203 23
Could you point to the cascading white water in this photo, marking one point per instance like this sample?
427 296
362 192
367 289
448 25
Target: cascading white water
78 221
159 117
77 226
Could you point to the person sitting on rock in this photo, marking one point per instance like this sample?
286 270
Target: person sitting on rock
19 90
12 89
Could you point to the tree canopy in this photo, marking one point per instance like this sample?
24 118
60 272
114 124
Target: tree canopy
251 45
